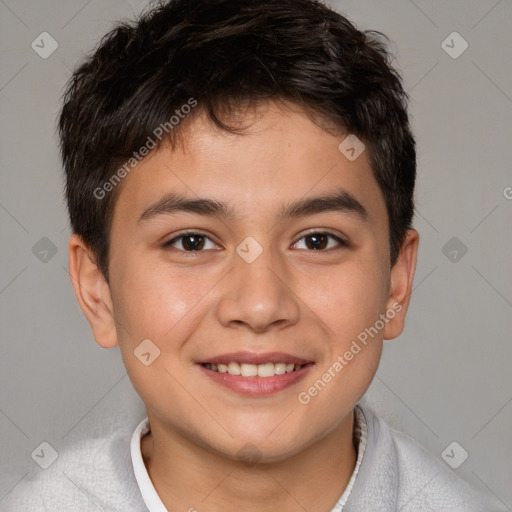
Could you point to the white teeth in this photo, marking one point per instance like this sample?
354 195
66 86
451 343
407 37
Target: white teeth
248 370
253 370
265 370
280 368
234 368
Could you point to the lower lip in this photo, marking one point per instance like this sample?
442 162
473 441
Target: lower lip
257 386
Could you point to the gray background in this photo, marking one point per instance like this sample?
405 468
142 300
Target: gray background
446 379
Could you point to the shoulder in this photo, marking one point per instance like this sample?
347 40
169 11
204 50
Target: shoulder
426 479
414 479
90 474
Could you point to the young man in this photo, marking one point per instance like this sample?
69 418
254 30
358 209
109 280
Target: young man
240 181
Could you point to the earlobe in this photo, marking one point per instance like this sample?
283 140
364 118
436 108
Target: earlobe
92 292
401 280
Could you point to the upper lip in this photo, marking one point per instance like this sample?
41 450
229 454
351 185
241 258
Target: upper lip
255 358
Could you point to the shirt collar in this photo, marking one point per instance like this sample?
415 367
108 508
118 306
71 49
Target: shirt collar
147 489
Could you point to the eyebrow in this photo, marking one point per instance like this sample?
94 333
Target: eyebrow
341 201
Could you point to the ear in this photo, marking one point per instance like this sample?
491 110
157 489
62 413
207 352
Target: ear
400 288
92 292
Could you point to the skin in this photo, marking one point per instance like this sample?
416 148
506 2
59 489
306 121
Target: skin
292 298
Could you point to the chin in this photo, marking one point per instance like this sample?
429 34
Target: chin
260 447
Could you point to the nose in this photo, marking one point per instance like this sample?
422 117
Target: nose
259 295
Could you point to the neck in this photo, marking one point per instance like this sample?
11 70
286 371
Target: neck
190 477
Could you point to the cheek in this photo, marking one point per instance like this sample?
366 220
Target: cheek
351 310
348 299
149 299
166 306
154 304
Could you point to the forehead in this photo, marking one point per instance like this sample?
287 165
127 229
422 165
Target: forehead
281 156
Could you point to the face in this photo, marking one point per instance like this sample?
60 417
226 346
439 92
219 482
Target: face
266 253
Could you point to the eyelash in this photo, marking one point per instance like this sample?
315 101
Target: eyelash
182 235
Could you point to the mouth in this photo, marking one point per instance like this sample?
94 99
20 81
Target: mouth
256 374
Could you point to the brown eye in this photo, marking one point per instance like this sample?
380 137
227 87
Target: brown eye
320 241
317 241
190 242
